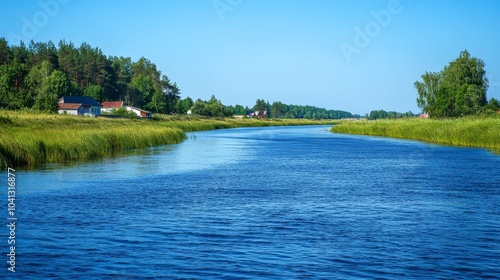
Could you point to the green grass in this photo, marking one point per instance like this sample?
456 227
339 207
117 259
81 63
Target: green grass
481 132
30 139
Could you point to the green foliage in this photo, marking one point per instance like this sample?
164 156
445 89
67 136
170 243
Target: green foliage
122 112
51 89
215 107
5 52
142 87
238 109
278 110
184 105
281 110
260 105
11 85
24 72
493 105
381 114
94 91
200 108
45 86
458 90
210 108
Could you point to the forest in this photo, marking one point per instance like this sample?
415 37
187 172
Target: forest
34 77
382 114
37 75
277 110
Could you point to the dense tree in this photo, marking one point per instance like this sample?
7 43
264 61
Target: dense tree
291 114
211 108
87 71
122 69
200 108
215 107
171 94
428 91
46 86
6 86
458 90
142 90
260 105
37 75
12 85
5 51
493 105
40 52
52 88
381 114
278 110
94 91
184 105
239 109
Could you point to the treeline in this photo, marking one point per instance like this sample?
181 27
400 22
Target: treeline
458 90
280 110
381 114
37 75
215 108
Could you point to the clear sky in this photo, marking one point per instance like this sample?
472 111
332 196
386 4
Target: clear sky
354 55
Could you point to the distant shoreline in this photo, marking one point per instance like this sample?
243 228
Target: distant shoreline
480 132
33 139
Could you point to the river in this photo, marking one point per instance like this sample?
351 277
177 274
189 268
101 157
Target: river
263 203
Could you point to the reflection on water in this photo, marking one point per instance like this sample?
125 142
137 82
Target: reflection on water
199 152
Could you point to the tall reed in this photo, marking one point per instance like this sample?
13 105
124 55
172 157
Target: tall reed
31 139
481 132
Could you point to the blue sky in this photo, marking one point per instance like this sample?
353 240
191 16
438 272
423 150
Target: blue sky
354 55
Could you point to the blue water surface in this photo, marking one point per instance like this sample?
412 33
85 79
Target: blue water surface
264 203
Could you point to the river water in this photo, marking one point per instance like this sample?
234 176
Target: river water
264 203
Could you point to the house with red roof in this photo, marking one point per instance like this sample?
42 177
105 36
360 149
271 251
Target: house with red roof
107 106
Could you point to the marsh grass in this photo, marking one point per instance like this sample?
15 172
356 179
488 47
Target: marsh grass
483 132
29 139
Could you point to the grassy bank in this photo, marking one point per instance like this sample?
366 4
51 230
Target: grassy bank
29 139
481 132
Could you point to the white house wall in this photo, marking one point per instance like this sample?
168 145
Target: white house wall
69 112
137 112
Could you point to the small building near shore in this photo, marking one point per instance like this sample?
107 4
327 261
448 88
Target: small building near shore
79 105
139 112
257 114
107 106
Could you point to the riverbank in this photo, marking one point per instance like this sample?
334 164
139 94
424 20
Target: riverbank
31 139
482 132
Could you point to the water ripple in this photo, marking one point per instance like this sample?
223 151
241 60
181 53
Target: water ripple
266 203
